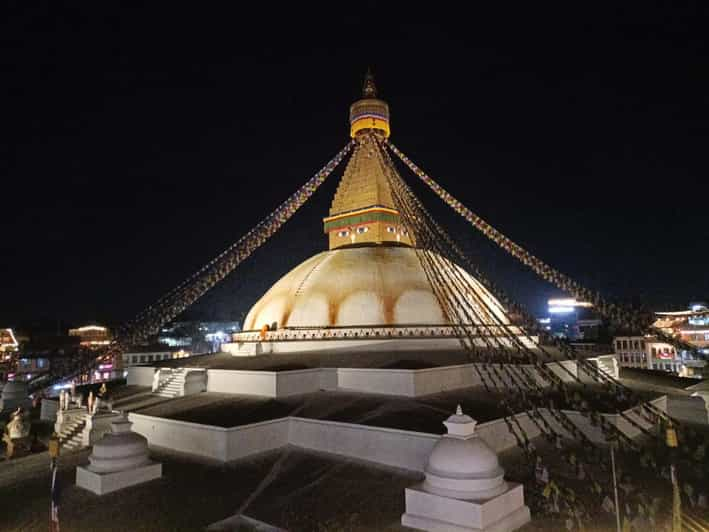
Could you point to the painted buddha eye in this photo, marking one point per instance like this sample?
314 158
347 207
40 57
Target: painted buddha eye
343 233
362 229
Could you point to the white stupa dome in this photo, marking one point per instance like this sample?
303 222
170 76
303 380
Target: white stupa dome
462 465
362 286
14 390
119 450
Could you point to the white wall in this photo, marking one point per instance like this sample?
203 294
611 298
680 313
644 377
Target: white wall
398 448
437 380
195 381
193 438
328 379
382 381
242 382
497 435
268 383
297 382
391 447
256 438
414 383
401 382
48 409
140 375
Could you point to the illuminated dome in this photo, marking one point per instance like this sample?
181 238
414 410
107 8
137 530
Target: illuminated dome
359 286
370 290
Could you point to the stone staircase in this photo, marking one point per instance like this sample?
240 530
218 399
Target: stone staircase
607 366
71 436
173 385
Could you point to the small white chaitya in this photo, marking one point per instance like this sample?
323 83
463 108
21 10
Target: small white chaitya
464 488
14 394
118 460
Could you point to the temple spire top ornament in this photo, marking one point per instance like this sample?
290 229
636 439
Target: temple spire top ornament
369 89
369 114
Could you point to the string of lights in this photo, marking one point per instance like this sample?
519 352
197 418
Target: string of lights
622 315
173 303
416 219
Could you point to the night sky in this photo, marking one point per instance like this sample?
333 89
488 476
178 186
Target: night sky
137 144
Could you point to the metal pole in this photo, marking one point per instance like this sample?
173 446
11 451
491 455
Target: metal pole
615 490
671 439
53 455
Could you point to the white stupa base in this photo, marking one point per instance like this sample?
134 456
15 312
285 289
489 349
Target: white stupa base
502 513
8 405
102 483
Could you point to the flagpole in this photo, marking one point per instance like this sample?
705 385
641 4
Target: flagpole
53 455
615 488
671 440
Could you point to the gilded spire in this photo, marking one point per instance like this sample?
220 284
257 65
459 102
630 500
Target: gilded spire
363 209
369 89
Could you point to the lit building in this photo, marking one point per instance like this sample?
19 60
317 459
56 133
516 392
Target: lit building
692 327
8 343
30 367
92 335
568 318
202 336
647 352
96 337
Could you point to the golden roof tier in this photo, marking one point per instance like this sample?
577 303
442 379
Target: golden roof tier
363 210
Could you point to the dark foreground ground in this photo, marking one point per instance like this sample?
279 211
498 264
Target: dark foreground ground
296 489
291 488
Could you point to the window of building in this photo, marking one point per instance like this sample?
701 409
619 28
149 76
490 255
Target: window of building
41 362
150 358
617 345
135 359
642 344
654 351
142 358
625 344
636 345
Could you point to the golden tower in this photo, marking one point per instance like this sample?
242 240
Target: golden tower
363 211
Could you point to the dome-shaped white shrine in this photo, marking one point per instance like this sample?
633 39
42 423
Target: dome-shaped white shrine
462 465
119 450
120 459
14 394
